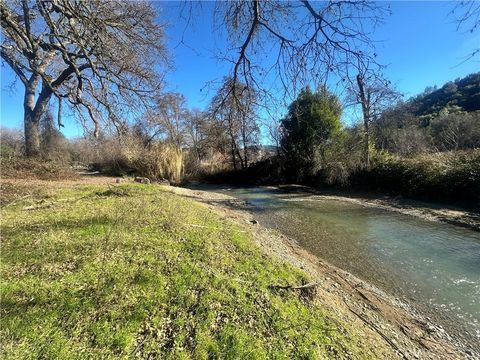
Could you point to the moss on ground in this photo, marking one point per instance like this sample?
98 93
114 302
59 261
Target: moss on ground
138 272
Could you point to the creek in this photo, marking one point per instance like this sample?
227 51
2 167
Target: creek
433 266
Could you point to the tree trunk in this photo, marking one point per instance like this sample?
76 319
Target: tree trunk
366 118
240 157
234 160
32 128
233 144
245 150
367 142
32 136
33 111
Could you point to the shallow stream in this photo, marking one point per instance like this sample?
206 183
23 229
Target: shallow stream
434 266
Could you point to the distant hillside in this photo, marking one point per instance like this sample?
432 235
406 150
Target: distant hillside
459 95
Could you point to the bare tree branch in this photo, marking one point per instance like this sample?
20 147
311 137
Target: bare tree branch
115 47
310 40
466 15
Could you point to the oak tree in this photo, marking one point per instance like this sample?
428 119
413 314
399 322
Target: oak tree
100 57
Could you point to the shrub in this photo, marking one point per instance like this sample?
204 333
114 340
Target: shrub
19 167
129 156
54 146
160 161
446 177
11 143
264 172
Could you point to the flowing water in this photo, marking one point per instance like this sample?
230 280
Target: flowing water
434 266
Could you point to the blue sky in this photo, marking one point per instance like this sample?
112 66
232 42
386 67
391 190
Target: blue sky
418 41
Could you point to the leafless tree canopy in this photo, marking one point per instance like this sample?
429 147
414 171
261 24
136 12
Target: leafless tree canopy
374 93
297 42
234 108
97 55
467 15
170 117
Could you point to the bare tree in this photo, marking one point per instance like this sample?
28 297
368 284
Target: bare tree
274 132
99 56
305 40
456 131
197 133
397 129
170 115
234 106
374 93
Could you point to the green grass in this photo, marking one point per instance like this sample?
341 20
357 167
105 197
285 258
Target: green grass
93 273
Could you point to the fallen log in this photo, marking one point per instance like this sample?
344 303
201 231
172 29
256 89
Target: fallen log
295 287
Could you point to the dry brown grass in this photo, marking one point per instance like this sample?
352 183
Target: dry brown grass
19 167
161 161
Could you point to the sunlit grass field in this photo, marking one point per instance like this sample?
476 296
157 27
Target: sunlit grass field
135 271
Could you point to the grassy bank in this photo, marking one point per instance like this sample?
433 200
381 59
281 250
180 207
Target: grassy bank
136 271
451 177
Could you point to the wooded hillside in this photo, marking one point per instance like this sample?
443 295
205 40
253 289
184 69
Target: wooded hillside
459 95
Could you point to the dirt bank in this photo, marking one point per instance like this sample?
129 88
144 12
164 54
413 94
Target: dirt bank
394 328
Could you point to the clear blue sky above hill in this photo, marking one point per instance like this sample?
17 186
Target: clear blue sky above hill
419 41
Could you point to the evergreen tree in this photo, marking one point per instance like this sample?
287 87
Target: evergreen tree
312 123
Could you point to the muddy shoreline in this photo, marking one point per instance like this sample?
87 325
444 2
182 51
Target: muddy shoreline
394 327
